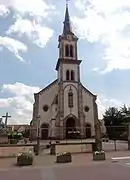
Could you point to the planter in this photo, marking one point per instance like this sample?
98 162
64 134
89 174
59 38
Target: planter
99 156
13 141
63 158
24 161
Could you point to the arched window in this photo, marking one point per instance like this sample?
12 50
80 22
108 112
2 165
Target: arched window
67 75
70 99
71 51
72 75
67 50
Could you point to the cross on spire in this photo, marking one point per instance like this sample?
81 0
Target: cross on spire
6 116
67 1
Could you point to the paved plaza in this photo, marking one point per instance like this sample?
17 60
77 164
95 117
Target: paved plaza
82 166
98 170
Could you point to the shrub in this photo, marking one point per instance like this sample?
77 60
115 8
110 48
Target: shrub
14 135
64 157
25 158
98 152
99 155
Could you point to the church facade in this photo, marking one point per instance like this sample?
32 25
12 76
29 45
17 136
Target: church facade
65 105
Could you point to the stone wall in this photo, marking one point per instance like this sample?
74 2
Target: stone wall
13 151
74 148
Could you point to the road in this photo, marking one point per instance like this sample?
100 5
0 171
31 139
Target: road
109 146
92 171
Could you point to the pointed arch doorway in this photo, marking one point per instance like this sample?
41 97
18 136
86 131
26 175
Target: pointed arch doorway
70 127
44 131
88 130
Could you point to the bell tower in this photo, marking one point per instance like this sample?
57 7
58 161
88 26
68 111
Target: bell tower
68 63
68 72
67 41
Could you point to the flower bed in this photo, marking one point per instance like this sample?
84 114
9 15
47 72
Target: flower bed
25 159
64 157
99 156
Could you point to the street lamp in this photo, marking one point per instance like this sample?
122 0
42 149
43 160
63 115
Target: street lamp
38 135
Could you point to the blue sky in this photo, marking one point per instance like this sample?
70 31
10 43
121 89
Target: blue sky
28 50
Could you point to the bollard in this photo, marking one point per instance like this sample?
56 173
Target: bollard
52 149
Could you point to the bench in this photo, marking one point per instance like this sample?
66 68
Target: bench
77 147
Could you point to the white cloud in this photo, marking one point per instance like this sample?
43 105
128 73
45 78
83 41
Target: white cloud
3 11
106 22
14 46
105 102
20 106
37 11
19 89
33 7
3 103
38 34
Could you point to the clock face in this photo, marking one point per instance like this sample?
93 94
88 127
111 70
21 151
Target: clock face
69 38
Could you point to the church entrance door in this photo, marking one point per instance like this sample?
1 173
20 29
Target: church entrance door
70 128
44 131
88 130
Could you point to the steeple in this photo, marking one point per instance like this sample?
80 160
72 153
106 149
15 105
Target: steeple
67 25
68 63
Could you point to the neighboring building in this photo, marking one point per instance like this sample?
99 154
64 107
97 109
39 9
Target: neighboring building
18 128
65 104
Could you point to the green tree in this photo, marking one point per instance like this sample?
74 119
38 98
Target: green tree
126 114
112 117
124 110
113 120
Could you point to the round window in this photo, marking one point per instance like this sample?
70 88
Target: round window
45 108
86 108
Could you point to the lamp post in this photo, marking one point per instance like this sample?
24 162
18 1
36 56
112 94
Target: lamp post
38 135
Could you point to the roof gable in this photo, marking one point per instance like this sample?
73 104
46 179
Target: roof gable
89 92
47 87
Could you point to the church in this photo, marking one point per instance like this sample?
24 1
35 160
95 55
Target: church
65 105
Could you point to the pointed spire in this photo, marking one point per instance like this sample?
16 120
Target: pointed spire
67 25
